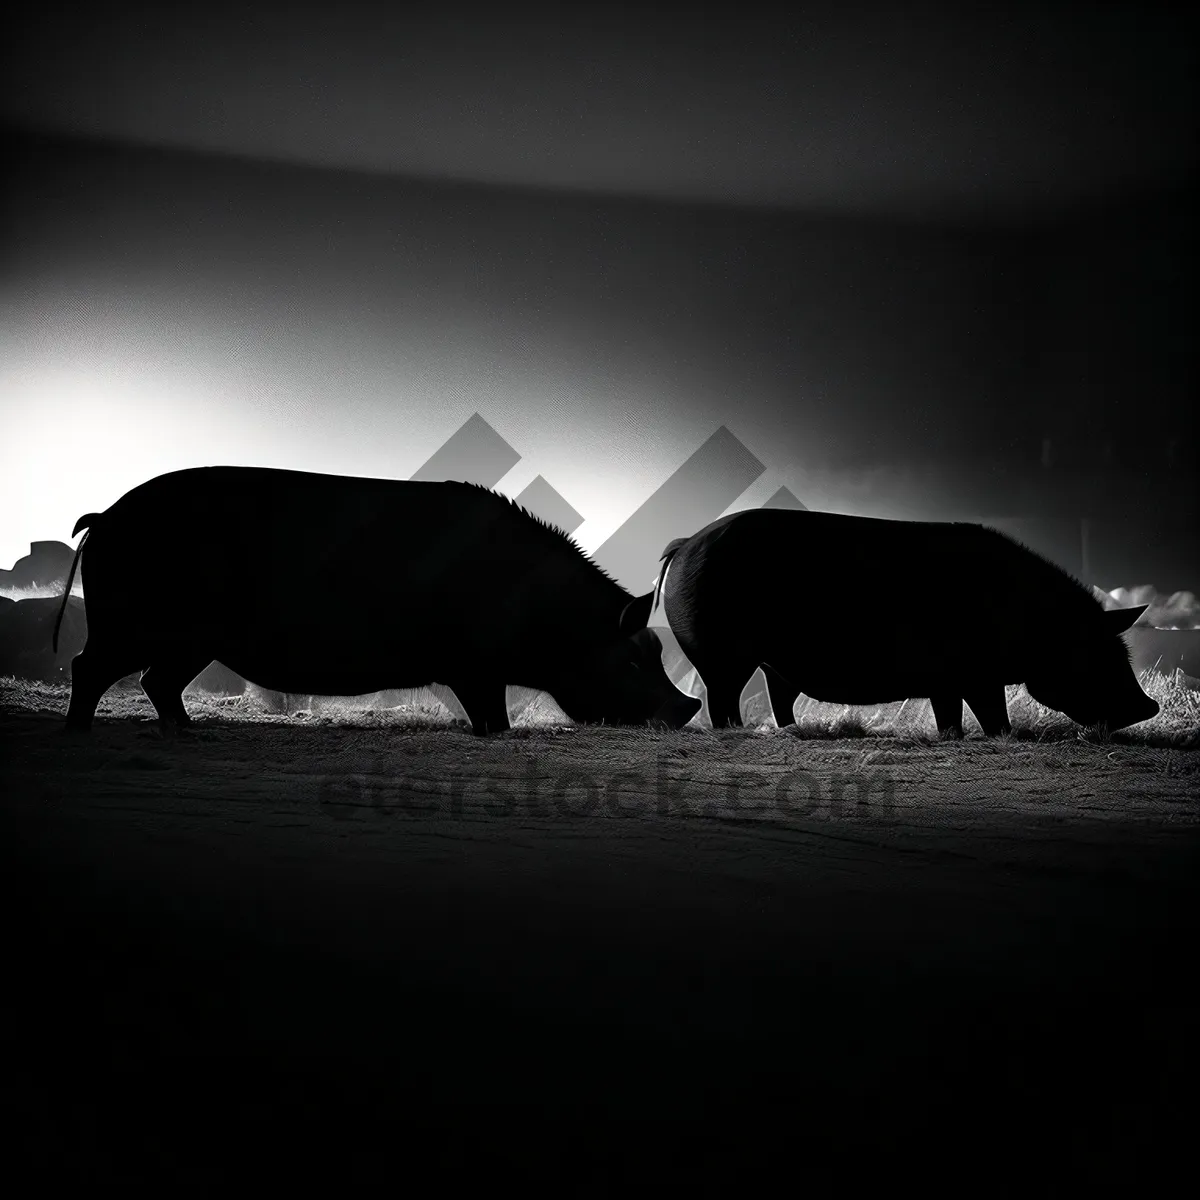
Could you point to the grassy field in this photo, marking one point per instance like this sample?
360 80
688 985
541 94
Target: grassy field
1177 724
844 941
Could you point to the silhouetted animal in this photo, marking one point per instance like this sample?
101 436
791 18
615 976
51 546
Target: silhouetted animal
252 567
738 594
28 648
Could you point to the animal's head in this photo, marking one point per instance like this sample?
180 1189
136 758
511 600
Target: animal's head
623 682
1090 679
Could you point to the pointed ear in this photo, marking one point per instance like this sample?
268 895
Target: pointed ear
636 614
1117 620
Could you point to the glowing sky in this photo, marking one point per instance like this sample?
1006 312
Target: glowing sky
159 314
161 310
964 236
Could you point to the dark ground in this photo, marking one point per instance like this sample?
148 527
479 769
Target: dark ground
217 945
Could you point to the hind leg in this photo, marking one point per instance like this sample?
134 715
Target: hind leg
723 685
991 711
93 671
782 695
948 713
164 681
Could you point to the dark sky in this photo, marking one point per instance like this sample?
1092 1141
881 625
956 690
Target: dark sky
950 241
846 106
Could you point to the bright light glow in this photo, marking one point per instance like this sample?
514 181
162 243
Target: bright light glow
77 437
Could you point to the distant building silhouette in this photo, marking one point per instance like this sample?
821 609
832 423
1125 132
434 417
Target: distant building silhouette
475 454
697 493
543 501
46 565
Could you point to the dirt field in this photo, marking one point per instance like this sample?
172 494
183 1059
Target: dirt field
565 942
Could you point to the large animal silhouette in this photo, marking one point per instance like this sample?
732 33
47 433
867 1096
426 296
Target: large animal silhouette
791 591
332 585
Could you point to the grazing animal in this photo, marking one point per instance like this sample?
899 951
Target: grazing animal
738 595
261 569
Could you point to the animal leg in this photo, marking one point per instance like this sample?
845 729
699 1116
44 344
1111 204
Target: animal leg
164 681
93 671
724 687
991 711
782 695
948 713
486 705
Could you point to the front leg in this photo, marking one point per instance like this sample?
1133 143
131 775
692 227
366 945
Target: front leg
164 682
948 713
725 677
485 703
723 687
991 711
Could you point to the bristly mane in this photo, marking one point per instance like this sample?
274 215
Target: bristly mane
1054 571
1068 578
549 528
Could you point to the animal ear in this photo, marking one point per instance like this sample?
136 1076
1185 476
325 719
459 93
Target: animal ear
636 614
1120 619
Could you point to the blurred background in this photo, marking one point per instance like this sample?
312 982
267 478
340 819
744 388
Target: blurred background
899 261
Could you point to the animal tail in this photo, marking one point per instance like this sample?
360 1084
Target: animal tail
665 557
84 522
